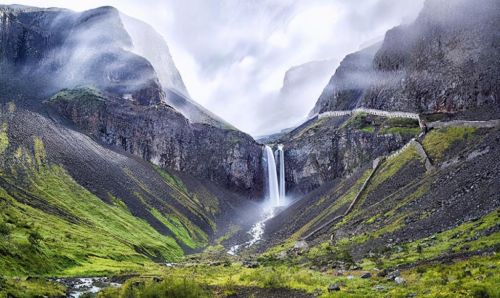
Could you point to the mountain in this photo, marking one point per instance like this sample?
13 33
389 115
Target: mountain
446 61
89 142
416 192
150 44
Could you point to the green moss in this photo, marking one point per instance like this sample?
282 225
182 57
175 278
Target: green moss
4 138
438 141
368 129
192 239
401 130
172 180
39 150
470 236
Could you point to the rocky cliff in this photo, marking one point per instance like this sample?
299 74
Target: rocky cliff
323 150
446 61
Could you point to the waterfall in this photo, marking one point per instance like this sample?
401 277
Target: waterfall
282 172
272 177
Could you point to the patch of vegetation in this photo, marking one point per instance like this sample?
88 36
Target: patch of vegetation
230 233
469 236
171 180
182 233
33 287
83 94
391 166
191 199
149 288
361 122
4 138
410 131
439 140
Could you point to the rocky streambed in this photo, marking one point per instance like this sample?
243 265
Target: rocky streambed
87 286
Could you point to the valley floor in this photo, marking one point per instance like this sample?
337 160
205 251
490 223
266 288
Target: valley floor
476 276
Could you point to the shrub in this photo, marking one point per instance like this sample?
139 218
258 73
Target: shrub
34 238
169 287
4 230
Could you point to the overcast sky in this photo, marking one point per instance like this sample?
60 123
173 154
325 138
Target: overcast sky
233 54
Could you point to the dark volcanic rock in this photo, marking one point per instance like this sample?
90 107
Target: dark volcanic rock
446 61
163 136
325 150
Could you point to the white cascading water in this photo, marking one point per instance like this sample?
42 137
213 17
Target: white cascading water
276 197
281 154
272 177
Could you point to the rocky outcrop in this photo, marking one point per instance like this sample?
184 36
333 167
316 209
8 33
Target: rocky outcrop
327 149
163 136
446 61
347 85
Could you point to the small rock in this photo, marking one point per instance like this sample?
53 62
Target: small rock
282 255
393 274
333 287
355 267
350 277
366 275
302 245
251 264
399 280
382 273
339 273
379 288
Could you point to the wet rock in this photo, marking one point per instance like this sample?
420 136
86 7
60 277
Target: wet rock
339 273
392 275
334 287
399 280
382 273
366 275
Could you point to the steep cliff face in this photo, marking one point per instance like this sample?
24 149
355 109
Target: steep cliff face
446 61
330 148
346 86
129 90
163 136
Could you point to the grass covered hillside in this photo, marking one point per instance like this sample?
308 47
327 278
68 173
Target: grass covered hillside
54 225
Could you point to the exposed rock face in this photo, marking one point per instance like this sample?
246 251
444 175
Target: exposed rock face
346 86
324 150
446 61
163 136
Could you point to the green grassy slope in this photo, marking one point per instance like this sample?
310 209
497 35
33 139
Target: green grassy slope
50 225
